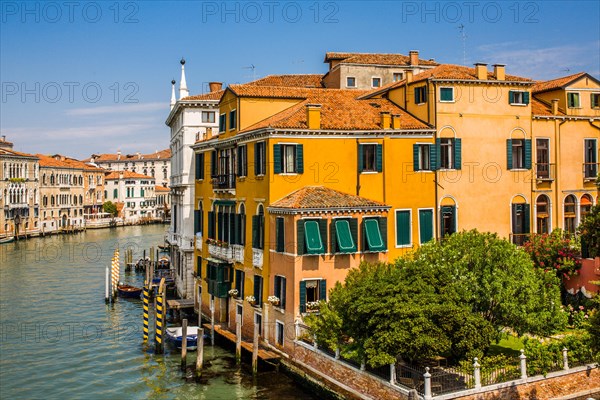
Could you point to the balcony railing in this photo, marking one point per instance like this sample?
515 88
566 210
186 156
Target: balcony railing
590 171
223 181
238 253
257 258
519 238
545 171
199 242
224 252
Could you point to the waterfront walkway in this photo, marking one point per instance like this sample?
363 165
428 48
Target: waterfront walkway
263 354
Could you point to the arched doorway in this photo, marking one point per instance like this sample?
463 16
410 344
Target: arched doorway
542 206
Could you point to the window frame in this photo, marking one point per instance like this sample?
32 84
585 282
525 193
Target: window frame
260 157
280 290
595 100
397 76
208 119
222 122
373 79
523 97
410 238
354 238
573 95
348 81
451 88
420 93
232 120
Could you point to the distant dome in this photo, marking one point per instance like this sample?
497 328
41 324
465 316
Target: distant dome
173 82
182 61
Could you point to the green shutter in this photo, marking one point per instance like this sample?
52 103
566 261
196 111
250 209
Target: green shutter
354 230
242 237
211 225
279 234
235 229
313 239
199 267
333 238
283 294
402 228
300 237
258 289
302 296
361 167
525 97
511 97
446 94
343 237
373 234
213 163
383 230
527 153
379 157
415 157
256 167
299 159
425 94
425 225
261 231
238 170
526 214
457 153
276 158
255 233
323 232
276 285
232 229
509 160
323 290
197 216
433 164
198 166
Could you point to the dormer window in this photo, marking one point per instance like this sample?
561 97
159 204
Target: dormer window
420 95
595 100
573 100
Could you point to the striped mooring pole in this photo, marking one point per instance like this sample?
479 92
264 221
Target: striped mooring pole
115 273
146 319
160 317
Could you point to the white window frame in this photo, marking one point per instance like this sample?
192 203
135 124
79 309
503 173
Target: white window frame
350 77
207 114
432 222
373 81
522 95
421 145
279 325
410 244
450 155
284 166
400 75
447 101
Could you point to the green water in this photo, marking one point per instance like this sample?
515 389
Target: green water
59 340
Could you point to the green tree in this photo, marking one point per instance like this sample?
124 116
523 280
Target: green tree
589 229
110 207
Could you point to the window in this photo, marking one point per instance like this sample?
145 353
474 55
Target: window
198 221
222 123
260 160
200 166
590 166
232 120
518 153
115 193
279 333
344 235
375 82
573 100
288 159
350 81
218 275
370 157
425 226
447 220
374 234
258 288
518 97
239 313
397 76
585 206
211 234
280 234
424 157
569 214
258 229
208 116
420 94
280 290
242 160
520 223
312 236
595 100
542 158
542 211
403 228
258 322
239 283
449 150
214 166
311 292
446 94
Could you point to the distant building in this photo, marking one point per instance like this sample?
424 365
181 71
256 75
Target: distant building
157 165
19 191
136 193
163 202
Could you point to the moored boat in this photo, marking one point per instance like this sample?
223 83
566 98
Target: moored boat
175 336
7 240
129 291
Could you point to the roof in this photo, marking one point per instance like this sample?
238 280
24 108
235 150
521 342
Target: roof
461 73
283 92
6 151
162 154
216 95
290 80
541 108
125 175
161 189
320 197
544 86
59 161
339 111
375 59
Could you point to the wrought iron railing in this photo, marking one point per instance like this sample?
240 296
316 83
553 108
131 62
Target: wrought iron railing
223 181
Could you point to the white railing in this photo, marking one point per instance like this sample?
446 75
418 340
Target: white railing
238 253
221 252
199 242
257 258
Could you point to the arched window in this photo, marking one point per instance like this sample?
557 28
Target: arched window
258 228
585 206
542 209
448 220
242 225
570 216
520 213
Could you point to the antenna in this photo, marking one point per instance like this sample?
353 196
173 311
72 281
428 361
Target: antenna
252 67
463 37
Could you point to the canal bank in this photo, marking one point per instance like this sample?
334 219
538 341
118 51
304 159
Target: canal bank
59 340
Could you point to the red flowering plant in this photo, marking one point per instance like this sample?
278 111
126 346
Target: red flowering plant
555 252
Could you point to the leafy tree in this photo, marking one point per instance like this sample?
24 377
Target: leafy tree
554 252
589 229
110 207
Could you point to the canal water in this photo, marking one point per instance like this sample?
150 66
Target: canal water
58 339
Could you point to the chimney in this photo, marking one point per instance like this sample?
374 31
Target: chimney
313 116
4 138
385 119
215 86
414 57
118 154
481 69
554 106
499 72
409 76
395 121
208 133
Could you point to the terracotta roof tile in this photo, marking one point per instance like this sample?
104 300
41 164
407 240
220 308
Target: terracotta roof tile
290 80
161 189
10 152
557 83
248 90
159 155
125 175
541 108
216 95
459 72
339 111
320 197
60 161
375 59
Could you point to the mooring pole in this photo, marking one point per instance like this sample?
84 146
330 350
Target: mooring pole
107 288
212 323
238 338
146 318
184 327
200 352
255 350
160 320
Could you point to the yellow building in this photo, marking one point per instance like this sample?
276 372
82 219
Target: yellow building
278 146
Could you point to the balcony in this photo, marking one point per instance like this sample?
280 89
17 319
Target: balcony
199 242
519 238
223 182
590 171
224 252
257 258
545 172
238 253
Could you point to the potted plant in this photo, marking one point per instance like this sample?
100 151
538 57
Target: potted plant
251 300
274 300
312 306
233 292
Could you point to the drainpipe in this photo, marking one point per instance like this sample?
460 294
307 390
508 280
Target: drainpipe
357 171
435 193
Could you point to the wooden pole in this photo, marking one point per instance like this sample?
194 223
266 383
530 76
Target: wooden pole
255 350
184 326
107 288
212 323
238 338
200 352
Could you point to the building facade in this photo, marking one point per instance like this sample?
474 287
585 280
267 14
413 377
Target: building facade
93 187
156 165
134 193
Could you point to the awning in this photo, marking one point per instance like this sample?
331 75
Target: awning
345 241
585 201
312 237
216 261
374 240
221 202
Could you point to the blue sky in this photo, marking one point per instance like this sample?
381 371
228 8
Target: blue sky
85 77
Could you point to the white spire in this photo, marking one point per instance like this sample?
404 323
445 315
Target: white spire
183 90
173 99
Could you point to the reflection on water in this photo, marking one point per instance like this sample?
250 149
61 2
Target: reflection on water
58 339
